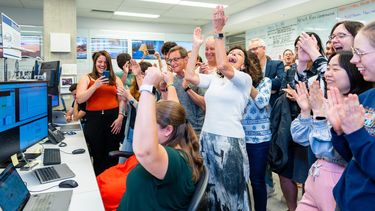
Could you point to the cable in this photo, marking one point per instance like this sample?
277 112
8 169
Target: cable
35 191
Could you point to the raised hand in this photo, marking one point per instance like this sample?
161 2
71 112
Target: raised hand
157 55
316 99
125 68
334 103
168 77
134 66
309 44
197 37
153 76
302 98
352 114
219 19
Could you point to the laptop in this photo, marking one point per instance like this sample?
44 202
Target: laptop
53 173
14 195
58 117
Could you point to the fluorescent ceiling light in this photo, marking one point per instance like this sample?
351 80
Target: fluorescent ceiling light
133 14
187 3
199 4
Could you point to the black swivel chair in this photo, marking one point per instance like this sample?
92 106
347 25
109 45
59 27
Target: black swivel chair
199 199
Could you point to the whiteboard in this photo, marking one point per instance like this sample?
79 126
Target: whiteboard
281 35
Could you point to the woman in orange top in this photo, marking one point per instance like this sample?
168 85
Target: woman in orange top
105 112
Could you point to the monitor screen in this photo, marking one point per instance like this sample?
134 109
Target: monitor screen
51 73
23 116
55 100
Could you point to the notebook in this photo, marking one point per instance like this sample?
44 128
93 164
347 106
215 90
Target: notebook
14 195
53 173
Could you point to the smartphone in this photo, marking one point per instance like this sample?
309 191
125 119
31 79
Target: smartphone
106 73
151 51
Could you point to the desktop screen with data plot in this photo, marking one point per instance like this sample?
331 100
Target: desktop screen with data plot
23 115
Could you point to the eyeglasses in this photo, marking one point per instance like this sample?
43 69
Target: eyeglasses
170 61
359 53
338 36
255 48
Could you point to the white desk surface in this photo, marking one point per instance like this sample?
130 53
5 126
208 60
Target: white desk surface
86 196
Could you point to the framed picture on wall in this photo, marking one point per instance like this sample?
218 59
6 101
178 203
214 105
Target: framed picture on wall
146 48
81 48
113 46
67 81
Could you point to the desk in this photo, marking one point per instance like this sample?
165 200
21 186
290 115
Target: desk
86 196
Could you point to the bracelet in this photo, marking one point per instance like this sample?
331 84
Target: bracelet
120 113
187 88
170 84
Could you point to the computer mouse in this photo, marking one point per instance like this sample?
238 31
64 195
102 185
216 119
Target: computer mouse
71 133
68 184
78 151
62 144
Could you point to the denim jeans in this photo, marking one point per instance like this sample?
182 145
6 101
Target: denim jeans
258 156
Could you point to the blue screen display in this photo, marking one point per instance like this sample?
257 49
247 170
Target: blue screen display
23 116
13 192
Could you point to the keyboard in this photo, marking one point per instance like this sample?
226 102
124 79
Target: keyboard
51 156
53 173
47 174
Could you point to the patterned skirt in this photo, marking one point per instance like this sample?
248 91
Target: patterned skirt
228 166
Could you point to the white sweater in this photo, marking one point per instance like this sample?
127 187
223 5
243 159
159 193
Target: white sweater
225 103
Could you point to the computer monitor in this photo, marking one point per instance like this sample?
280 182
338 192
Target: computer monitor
51 71
23 116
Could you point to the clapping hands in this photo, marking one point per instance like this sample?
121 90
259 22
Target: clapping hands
346 115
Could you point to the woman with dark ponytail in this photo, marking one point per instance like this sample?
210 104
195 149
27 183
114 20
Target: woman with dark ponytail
167 150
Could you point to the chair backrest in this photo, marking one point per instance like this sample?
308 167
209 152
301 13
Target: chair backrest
199 198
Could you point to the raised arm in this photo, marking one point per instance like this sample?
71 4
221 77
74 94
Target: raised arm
150 154
218 21
125 70
190 75
171 90
136 68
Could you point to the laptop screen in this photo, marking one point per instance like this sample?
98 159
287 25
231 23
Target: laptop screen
13 192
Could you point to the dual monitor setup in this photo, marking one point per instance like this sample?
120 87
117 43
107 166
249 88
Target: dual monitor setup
25 109
25 120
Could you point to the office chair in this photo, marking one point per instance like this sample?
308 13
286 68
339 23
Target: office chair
199 198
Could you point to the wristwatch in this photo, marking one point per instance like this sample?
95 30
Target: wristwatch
187 88
219 36
320 118
148 88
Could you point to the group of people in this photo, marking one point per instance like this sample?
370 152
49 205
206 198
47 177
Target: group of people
309 118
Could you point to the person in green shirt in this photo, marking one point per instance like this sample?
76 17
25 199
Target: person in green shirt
126 75
167 150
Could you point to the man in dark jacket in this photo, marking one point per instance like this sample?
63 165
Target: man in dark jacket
273 69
